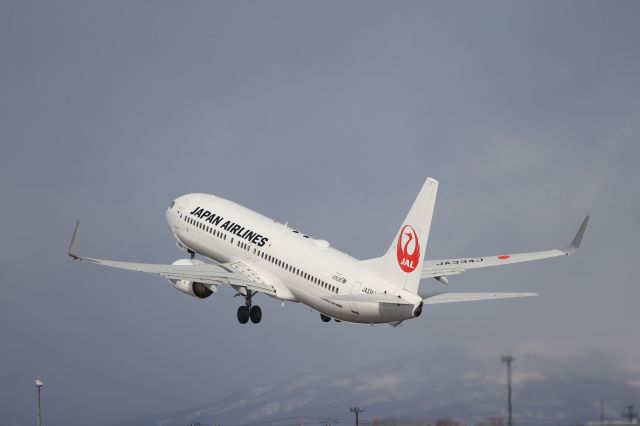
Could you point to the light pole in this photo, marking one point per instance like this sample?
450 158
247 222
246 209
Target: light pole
508 359
357 411
39 384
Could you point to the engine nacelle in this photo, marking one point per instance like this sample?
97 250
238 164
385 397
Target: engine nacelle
194 289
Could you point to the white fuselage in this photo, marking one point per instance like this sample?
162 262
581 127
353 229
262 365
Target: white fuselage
301 269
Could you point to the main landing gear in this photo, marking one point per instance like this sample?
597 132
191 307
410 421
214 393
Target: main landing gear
247 311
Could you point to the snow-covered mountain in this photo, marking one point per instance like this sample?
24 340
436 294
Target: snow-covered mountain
545 392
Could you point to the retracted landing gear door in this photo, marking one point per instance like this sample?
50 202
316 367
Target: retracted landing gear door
355 289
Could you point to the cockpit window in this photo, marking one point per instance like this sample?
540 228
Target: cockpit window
173 203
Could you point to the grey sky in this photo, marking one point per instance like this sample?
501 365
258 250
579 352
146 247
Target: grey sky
328 115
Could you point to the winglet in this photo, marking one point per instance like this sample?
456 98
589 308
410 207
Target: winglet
575 244
74 243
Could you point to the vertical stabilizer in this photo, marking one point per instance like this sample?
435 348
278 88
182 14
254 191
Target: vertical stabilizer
402 263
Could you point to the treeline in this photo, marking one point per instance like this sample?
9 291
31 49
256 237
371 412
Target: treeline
491 421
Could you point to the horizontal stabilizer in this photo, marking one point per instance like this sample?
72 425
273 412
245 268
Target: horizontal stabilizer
469 297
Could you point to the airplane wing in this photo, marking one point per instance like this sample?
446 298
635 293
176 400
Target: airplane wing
469 297
236 274
440 269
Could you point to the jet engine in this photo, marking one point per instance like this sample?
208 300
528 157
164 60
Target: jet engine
194 289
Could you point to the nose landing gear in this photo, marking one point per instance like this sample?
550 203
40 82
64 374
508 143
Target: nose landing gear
248 312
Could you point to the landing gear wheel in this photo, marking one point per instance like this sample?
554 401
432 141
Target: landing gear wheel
325 318
243 314
255 314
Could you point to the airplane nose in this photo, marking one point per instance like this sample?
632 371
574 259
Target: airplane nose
170 213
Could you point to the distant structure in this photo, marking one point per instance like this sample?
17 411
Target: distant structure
39 384
357 411
630 414
508 359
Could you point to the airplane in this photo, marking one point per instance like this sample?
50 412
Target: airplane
255 254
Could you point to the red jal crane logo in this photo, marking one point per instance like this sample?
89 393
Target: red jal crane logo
408 249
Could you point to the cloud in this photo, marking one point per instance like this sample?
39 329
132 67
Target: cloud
328 115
